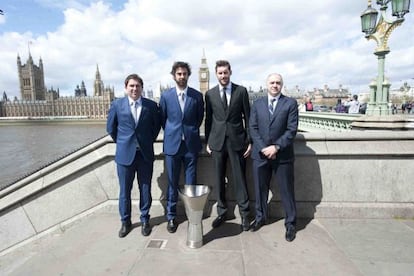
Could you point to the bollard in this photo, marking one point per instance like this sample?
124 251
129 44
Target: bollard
194 198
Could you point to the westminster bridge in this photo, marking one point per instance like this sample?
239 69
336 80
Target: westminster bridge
341 171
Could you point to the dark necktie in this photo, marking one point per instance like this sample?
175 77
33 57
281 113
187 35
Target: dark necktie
224 98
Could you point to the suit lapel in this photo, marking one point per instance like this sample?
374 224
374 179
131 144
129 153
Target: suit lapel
143 112
127 107
188 99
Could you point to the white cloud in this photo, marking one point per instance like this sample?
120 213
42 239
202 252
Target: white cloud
310 43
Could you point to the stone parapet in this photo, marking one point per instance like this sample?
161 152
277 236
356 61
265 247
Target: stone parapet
356 174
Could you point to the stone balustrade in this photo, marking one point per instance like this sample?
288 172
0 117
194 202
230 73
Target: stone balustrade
361 174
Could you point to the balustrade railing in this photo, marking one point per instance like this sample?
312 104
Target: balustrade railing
327 121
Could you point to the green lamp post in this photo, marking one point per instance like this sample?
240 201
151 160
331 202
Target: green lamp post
380 31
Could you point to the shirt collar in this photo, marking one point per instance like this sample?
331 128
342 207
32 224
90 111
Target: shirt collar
228 87
132 102
269 98
179 91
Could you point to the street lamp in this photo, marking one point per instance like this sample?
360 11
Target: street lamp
380 31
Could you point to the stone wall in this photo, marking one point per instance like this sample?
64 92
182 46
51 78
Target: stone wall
361 174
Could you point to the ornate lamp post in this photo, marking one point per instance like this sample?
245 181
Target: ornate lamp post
380 31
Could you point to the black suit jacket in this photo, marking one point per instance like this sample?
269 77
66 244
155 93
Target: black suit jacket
233 122
277 129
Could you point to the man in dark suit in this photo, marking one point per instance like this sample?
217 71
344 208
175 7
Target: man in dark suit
227 135
273 127
182 112
134 123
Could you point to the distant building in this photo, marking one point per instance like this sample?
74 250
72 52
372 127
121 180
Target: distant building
80 91
31 79
37 102
204 75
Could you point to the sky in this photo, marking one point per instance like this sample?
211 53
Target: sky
311 43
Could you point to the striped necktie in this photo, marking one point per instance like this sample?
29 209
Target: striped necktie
271 107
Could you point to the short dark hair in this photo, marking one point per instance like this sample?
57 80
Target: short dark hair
134 77
220 63
181 64
355 97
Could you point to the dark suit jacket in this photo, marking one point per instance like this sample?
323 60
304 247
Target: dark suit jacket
234 123
121 127
175 124
277 129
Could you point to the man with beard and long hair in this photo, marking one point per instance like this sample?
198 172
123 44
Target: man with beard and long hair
182 112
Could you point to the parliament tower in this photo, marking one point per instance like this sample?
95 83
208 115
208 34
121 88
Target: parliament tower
31 80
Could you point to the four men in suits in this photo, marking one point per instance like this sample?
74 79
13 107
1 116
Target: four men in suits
182 112
227 136
273 127
134 123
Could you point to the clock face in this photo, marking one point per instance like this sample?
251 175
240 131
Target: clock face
204 75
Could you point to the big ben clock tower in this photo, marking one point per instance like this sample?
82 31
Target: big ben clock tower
204 75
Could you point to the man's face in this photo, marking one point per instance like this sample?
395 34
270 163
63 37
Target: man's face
274 85
181 77
223 75
133 89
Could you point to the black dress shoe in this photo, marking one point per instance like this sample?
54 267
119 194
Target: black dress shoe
245 224
145 229
218 221
125 229
172 226
257 225
290 233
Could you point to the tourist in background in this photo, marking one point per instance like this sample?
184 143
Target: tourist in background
353 105
134 123
340 108
309 105
182 112
273 128
227 136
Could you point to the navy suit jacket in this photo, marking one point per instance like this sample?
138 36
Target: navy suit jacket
121 127
277 129
175 124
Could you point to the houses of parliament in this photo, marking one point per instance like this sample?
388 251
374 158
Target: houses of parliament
37 101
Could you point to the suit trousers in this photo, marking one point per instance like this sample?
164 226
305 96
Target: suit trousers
262 174
173 164
238 168
126 175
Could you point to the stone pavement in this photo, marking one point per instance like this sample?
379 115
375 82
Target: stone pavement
90 246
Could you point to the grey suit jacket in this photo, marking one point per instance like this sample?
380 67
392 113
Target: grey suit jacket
233 122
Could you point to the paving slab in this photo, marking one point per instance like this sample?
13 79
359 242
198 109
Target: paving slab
90 246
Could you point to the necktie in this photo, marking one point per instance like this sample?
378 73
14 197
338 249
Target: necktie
271 106
224 98
181 97
135 112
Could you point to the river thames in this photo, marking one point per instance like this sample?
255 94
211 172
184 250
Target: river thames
26 147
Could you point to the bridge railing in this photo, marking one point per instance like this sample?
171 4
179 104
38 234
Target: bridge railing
329 121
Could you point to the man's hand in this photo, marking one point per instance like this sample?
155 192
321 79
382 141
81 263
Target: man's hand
270 152
208 150
248 151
